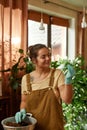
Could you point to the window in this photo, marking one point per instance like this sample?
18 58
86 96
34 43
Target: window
35 35
55 35
58 42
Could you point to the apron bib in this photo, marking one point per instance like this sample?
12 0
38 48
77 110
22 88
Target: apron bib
45 107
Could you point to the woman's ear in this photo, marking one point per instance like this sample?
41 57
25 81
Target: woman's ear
34 60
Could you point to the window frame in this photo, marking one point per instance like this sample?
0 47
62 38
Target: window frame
49 20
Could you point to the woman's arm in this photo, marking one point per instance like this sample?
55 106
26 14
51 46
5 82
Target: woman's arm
66 90
20 115
66 93
23 101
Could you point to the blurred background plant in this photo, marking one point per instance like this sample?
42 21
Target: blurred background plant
75 113
22 66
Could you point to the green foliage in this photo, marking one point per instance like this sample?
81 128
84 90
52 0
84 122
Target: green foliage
54 64
21 51
27 67
15 77
76 113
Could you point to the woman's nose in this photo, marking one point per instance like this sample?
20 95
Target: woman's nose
48 58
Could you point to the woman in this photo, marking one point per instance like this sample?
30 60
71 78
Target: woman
43 90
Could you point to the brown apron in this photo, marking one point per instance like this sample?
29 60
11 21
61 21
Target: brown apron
45 107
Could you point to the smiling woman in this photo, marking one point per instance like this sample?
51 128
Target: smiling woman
43 89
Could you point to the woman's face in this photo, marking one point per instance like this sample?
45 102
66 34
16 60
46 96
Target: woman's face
43 59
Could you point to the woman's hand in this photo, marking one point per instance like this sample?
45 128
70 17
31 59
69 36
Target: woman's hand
69 75
19 116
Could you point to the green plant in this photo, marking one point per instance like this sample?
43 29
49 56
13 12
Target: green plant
22 66
75 113
26 67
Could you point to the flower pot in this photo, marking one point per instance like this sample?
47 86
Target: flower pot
29 120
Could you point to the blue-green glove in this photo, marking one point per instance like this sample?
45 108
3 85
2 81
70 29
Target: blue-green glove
19 116
70 73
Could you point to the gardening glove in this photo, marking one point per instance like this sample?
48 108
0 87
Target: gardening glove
70 73
19 116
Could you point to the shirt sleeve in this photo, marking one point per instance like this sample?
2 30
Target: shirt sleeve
24 84
59 78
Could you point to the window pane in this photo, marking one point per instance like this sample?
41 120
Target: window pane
35 35
58 41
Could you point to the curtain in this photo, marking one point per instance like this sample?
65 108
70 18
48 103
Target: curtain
13 33
82 39
81 36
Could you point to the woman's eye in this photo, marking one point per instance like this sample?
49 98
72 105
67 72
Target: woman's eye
49 55
43 57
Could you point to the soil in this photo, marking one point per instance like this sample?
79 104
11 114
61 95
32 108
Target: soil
14 124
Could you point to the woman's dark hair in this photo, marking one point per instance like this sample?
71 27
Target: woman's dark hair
33 50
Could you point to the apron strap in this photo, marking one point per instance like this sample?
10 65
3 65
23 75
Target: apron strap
29 88
52 78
